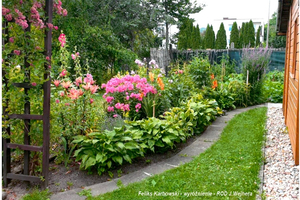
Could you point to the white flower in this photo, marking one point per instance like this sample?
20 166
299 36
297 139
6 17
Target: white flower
170 81
152 62
18 67
132 72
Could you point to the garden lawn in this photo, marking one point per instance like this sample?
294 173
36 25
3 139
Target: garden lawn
230 167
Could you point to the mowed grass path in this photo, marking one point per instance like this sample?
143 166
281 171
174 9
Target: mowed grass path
227 170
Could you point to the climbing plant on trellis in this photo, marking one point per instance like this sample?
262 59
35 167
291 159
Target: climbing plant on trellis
26 64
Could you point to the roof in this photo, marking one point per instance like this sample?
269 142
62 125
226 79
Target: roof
283 16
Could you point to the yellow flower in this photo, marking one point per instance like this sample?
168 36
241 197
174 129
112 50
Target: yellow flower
151 75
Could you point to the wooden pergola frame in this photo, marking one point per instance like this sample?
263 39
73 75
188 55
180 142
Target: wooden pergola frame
7 146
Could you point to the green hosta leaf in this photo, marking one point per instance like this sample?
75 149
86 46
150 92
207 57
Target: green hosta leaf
131 145
155 131
110 147
84 158
95 141
77 152
120 145
127 158
126 138
95 134
143 145
90 162
110 134
101 157
159 143
167 140
109 164
118 159
151 143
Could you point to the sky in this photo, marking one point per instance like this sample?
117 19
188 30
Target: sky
215 10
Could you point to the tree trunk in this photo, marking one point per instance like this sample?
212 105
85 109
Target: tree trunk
167 35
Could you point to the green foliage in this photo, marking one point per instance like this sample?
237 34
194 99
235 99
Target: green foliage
272 87
224 68
209 37
250 34
86 193
255 61
179 87
274 40
243 35
257 40
199 72
234 35
221 41
110 148
189 35
38 195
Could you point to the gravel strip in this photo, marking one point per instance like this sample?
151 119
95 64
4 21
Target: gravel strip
281 176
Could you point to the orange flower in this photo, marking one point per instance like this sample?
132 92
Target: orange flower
212 76
151 75
74 94
66 84
160 83
215 84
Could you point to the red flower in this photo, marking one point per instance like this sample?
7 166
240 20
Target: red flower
215 84
212 76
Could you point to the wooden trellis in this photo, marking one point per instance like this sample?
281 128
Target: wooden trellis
26 147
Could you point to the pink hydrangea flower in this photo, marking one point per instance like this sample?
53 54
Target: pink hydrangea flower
11 39
33 84
115 115
57 100
56 27
138 106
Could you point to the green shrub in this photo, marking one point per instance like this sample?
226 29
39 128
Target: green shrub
104 150
199 72
272 88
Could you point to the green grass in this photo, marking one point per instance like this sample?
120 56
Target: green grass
37 195
231 165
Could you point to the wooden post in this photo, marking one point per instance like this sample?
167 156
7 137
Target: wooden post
247 77
46 88
6 159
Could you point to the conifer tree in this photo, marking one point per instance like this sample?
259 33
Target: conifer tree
250 34
257 41
242 35
234 35
221 41
213 37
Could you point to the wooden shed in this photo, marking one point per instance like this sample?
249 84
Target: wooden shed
288 25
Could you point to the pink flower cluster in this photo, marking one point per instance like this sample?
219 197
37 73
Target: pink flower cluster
5 12
35 16
74 56
59 10
75 93
131 88
21 19
62 39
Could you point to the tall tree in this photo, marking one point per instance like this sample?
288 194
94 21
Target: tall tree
213 37
171 12
251 34
274 40
221 41
242 35
234 35
257 40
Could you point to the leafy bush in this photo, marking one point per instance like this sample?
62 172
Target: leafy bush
255 61
199 72
272 88
107 149
178 87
